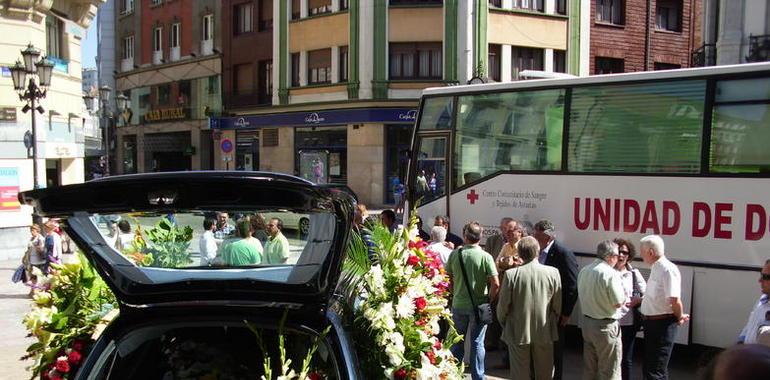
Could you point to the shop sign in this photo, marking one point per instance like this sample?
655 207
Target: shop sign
8 114
165 114
9 189
318 118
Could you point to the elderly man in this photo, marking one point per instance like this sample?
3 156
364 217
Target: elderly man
437 237
661 307
443 221
554 254
758 319
601 295
529 308
277 246
470 265
495 242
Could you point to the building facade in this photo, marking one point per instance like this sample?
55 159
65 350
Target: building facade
56 28
169 65
734 32
643 35
328 90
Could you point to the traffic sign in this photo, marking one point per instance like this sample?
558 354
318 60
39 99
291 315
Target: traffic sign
227 145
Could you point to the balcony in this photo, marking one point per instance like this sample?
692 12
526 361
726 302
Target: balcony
759 48
254 98
703 56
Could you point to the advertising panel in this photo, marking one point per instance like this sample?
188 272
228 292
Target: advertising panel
9 189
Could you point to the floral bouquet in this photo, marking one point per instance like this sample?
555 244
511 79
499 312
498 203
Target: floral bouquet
399 296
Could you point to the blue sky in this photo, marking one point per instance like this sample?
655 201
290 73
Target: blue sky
89 46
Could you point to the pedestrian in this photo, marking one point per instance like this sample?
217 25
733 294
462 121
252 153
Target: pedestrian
661 307
207 243
224 228
433 184
125 235
495 242
421 185
388 219
529 308
423 235
398 195
242 251
258 228
453 241
52 245
601 296
277 247
34 257
740 362
553 253
437 237
506 257
630 317
759 317
360 227
474 282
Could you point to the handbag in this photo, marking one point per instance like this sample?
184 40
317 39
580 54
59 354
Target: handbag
635 310
20 274
482 312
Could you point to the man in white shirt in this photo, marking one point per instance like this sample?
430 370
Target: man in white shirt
437 237
758 319
208 243
601 294
661 307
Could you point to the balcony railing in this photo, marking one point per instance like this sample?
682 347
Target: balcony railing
706 55
759 48
254 98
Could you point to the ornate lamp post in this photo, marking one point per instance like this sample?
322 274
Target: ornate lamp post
34 91
106 115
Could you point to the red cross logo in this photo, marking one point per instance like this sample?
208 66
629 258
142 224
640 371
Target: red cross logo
472 196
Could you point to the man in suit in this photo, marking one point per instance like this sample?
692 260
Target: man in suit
495 242
554 254
529 308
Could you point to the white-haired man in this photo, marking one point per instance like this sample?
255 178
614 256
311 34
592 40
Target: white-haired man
601 294
661 307
437 239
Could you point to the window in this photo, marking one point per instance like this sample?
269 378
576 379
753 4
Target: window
343 64
175 35
265 81
319 66
668 12
156 2
157 39
163 94
185 93
295 69
663 120
606 65
265 15
128 47
436 114
432 160
54 35
666 66
525 59
243 81
739 127
496 3
494 62
610 11
295 9
344 5
421 60
213 85
126 6
414 2
532 5
559 61
508 131
208 27
243 18
317 7
561 7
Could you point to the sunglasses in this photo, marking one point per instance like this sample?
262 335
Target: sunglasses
625 253
764 277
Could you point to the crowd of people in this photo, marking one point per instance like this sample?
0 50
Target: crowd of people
532 281
250 241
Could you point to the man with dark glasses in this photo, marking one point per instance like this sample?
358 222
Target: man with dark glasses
754 331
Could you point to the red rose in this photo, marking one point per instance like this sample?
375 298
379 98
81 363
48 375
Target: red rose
437 345
413 260
314 376
78 345
74 357
420 303
399 374
431 356
62 366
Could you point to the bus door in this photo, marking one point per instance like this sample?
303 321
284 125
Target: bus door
428 185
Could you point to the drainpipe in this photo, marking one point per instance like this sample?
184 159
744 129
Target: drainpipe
647 36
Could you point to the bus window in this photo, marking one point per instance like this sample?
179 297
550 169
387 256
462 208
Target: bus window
637 128
739 132
431 169
508 131
436 114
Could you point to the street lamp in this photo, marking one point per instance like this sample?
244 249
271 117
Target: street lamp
122 103
34 91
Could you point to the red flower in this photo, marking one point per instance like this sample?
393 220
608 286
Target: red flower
413 260
420 244
56 377
431 356
437 345
420 303
399 374
74 357
314 376
421 322
44 376
62 365
78 345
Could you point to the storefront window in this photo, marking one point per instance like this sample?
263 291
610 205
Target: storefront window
129 154
321 154
247 150
397 140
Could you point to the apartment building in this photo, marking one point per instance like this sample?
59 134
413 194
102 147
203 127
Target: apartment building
735 31
56 28
328 89
643 35
168 65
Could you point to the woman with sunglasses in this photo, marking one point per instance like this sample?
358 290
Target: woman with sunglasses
629 316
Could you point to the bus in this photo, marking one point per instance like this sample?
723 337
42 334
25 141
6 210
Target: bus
680 153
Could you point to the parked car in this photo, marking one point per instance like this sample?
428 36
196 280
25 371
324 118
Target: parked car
182 317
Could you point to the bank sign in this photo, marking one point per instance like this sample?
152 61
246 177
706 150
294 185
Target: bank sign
318 118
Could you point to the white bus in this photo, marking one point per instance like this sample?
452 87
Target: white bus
682 153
